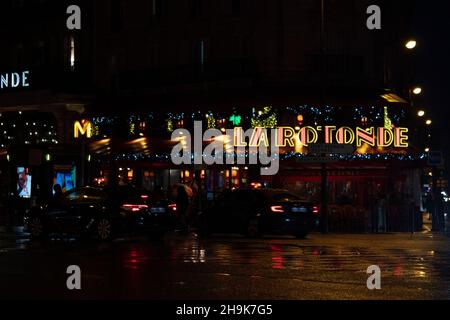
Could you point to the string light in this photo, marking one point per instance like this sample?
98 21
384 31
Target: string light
267 118
14 129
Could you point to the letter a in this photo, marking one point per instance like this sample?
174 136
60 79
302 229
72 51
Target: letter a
74 281
374 281
74 20
374 20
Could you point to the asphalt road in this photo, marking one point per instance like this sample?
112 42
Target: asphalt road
228 267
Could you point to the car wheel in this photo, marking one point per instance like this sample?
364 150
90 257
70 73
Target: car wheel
36 228
104 229
253 228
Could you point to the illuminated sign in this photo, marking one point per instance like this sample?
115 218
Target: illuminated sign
290 137
82 128
23 183
14 80
235 119
233 145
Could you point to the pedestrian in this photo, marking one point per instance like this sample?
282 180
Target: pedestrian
381 214
182 202
57 199
429 205
158 194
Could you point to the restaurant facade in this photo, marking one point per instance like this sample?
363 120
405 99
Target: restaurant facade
98 106
375 187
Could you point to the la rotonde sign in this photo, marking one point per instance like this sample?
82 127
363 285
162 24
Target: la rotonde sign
14 80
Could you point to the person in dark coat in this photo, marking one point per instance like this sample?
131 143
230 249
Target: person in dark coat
158 194
57 199
182 202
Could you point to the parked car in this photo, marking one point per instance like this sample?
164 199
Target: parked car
254 212
92 211
164 214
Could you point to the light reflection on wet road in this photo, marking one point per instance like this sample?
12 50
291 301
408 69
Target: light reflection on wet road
185 267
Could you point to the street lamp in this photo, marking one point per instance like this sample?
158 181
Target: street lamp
427 150
428 122
421 113
411 44
417 90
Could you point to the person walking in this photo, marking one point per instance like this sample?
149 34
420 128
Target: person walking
182 202
57 199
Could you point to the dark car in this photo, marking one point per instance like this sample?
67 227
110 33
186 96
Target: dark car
164 214
254 212
93 211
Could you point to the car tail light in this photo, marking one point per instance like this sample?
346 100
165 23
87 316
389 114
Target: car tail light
144 197
316 210
172 207
256 185
277 209
134 207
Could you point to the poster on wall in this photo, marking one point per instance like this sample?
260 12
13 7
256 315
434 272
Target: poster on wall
24 183
66 177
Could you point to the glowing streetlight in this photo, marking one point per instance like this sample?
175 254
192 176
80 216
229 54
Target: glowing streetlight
411 44
417 90
421 113
427 150
428 122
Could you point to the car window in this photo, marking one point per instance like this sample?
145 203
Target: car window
74 195
85 195
250 197
94 195
130 195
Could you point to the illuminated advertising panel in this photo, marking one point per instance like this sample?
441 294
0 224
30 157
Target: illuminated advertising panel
24 183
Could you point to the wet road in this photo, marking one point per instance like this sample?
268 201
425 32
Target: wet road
185 267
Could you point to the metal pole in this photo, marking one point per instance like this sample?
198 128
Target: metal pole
83 162
324 198
324 177
436 219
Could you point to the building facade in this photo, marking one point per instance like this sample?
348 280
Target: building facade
115 91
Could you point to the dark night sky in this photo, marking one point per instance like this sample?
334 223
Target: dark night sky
432 30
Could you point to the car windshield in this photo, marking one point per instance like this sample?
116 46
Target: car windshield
85 195
284 196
